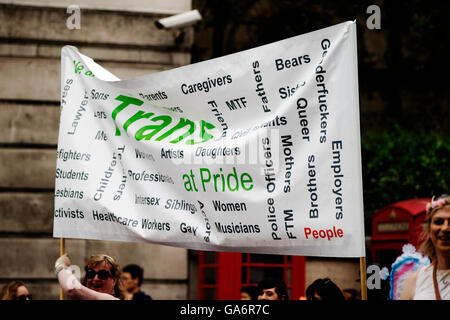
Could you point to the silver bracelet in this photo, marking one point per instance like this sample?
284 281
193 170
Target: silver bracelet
58 267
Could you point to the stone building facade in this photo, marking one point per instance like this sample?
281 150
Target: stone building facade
124 39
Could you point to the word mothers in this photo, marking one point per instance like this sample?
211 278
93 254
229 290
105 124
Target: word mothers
147 132
288 161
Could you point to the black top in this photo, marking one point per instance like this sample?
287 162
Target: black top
140 295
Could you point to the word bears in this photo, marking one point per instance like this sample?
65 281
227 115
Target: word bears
290 63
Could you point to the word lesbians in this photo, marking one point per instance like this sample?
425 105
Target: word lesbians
148 131
230 182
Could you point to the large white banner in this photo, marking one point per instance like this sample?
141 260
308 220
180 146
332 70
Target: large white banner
257 151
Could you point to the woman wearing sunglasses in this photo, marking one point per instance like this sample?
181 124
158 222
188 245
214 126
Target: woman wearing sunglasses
101 282
15 290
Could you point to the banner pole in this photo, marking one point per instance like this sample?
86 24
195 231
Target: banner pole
62 251
362 267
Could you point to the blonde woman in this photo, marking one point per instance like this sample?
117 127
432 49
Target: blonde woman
101 282
433 282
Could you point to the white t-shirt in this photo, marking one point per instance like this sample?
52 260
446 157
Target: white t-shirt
425 286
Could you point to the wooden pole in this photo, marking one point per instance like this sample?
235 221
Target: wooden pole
62 251
362 267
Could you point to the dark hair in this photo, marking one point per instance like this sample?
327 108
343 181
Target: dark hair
135 271
252 291
326 289
280 287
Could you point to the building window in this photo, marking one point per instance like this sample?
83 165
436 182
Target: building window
221 275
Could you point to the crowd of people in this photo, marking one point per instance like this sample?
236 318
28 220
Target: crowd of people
320 289
104 279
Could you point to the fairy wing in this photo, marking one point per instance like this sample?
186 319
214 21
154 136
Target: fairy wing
404 265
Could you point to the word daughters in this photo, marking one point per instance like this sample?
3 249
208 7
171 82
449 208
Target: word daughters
158 123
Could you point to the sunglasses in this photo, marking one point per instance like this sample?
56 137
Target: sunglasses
101 274
24 297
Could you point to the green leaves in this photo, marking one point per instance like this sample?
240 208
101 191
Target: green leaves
401 163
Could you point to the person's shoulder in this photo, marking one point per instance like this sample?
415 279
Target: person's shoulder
141 295
410 286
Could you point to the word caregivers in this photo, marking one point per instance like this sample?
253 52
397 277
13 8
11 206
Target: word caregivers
156 123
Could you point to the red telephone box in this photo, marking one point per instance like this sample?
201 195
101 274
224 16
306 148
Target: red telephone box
395 225
221 275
